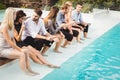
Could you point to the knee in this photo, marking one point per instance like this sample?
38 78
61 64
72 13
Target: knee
70 37
75 33
26 50
31 54
21 55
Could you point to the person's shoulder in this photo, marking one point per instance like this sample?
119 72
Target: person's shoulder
40 20
3 27
74 11
60 13
28 20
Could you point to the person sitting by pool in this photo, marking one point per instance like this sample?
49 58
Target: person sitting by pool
19 28
35 33
65 27
77 17
69 19
50 24
8 48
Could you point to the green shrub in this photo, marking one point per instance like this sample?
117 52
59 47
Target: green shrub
87 8
108 4
2 6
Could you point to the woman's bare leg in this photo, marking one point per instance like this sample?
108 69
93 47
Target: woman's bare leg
35 58
65 43
21 56
85 34
41 58
28 63
58 43
45 48
32 54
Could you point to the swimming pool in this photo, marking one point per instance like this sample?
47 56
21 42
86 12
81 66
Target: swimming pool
1 14
27 11
98 61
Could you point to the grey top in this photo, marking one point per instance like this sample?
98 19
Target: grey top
51 27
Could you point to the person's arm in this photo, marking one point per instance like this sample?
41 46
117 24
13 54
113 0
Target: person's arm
82 21
9 40
47 36
51 26
59 19
43 33
18 36
73 16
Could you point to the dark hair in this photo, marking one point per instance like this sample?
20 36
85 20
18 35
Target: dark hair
79 3
19 14
38 11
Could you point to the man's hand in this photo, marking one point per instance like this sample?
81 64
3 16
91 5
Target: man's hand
47 37
81 28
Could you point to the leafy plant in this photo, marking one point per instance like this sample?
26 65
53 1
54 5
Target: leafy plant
2 6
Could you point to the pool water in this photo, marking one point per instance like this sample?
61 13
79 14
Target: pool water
1 14
29 13
98 61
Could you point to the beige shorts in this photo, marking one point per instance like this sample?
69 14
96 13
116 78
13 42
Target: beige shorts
6 52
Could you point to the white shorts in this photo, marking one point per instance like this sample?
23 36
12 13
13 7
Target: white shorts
6 52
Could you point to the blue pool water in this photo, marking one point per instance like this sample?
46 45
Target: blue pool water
1 14
98 61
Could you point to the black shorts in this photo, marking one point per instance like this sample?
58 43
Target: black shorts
67 35
75 33
21 44
85 27
37 43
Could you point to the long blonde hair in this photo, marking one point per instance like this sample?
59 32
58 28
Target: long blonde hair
9 17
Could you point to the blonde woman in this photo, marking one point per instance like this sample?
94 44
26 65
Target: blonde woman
8 48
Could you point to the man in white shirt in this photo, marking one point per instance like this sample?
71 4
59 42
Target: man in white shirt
77 17
35 33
